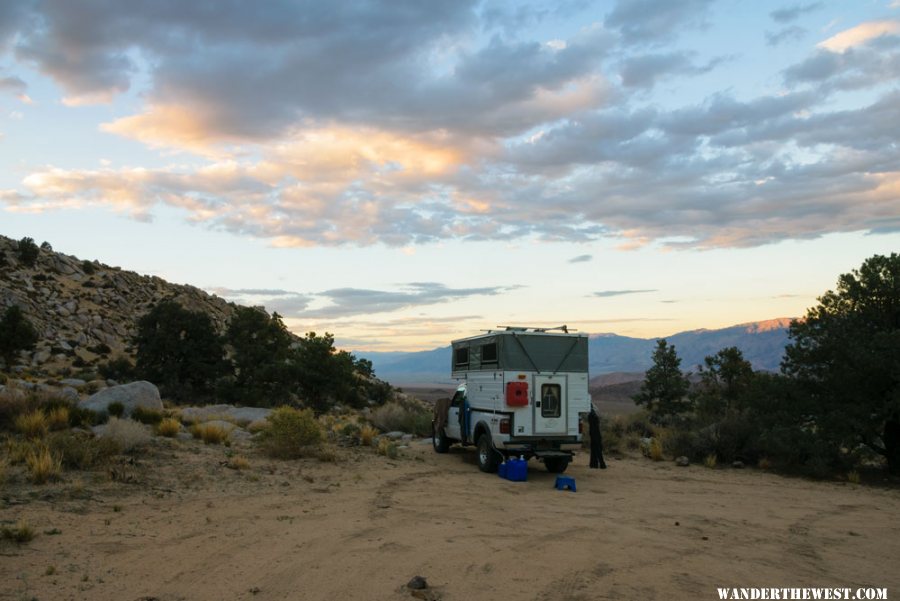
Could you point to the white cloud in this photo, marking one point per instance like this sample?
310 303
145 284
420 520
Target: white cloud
860 34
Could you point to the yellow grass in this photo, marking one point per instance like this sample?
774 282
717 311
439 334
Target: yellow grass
210 433
168 427
58 419
853 477
656 449
42 465
711 460
367 434
32 424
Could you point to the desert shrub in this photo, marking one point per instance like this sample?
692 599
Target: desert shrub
146 416
82 451
116 409
210 433
350 429
32 424
58 418
20 533
327 454
129 434
16 334
367 435
168 427
680 442
4 469
28 251
292 433
394 416
119 369
388 448
42 465
87 267
84 417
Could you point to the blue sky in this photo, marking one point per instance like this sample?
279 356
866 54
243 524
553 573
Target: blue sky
403 173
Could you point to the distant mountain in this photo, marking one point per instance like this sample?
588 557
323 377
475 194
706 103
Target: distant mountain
761 342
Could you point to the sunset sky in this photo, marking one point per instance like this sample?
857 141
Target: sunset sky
402 173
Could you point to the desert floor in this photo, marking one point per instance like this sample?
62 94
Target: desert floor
188 527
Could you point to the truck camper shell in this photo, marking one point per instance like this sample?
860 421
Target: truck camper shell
521 393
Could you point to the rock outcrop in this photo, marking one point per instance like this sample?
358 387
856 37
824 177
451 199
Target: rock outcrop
86 312
133 395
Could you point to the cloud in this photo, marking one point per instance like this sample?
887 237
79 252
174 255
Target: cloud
608 293
13 85
656 21
360 301
581 259
860 34
645 70
284 302
791 13
792 33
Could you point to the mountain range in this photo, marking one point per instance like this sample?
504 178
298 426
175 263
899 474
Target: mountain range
761 342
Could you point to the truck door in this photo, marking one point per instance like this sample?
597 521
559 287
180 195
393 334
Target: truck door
550 405
453 429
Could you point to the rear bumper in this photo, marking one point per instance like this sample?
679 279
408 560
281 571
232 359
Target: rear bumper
538 446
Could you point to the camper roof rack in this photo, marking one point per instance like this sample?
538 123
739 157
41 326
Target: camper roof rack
563 328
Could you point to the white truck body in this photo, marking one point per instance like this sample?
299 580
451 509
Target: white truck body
524 389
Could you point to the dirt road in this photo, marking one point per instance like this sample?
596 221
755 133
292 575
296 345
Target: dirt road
189 528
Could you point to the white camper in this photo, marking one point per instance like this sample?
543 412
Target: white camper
521 392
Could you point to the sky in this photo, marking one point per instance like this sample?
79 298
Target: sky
403 173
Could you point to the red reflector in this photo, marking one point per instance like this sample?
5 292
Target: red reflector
504 426
517 394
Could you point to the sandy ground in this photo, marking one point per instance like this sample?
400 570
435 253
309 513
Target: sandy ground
189 528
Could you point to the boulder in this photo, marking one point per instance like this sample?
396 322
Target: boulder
682 461
239 415
136 394
73 382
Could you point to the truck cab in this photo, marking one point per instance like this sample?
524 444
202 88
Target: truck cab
520 393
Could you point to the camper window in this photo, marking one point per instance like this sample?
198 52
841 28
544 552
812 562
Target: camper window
550 405
489 353
461 357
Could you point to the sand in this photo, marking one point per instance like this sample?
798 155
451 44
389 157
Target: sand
189 528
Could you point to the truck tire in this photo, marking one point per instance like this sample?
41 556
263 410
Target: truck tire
488 458
439 440
556 465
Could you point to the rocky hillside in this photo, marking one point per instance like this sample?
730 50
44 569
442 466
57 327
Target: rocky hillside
84 311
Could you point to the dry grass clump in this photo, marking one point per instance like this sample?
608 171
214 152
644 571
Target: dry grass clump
367 435
764 463
19 534
238 462
210 433
58 418
32 424
853 477
130 434
168 427
711 461
656 449
42 465
292 433
4 469
16 450
328 454
146 416
82 451
388 448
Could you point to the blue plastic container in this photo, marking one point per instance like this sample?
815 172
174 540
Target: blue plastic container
503 469
517 470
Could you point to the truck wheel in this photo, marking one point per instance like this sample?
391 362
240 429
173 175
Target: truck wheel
556 465
439 440
487 455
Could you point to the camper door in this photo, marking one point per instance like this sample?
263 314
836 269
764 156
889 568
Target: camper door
550 405
453 428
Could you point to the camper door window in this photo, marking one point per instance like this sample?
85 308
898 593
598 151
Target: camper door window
550 405
461 357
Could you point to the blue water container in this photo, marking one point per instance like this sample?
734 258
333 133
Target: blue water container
503 469
517 470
